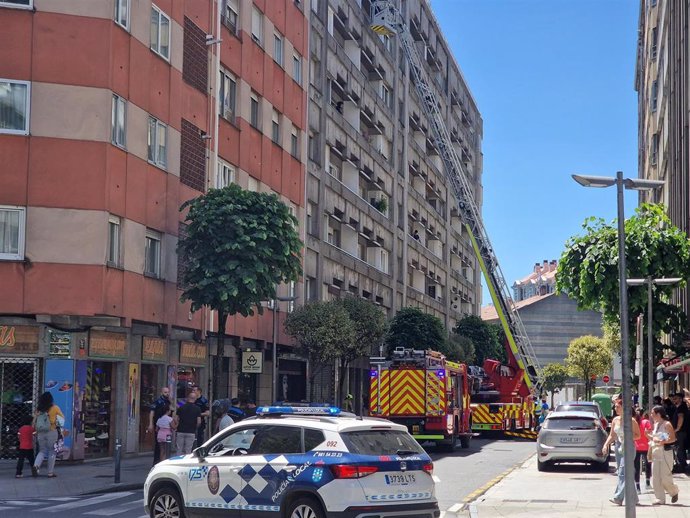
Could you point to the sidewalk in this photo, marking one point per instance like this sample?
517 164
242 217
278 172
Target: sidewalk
94 476
570 491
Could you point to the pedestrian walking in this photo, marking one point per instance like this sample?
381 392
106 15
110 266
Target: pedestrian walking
680 422
46 431
157 409
616 438
187 422
661 444
642 449
165 426
26 447
202 403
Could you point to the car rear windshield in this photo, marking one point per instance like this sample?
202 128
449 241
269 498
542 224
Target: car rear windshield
570 423
381 442
582 408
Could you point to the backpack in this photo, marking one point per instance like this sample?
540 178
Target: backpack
43 422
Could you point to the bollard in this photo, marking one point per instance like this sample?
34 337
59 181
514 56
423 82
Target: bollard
118 453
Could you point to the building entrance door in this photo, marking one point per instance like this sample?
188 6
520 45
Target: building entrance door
18 396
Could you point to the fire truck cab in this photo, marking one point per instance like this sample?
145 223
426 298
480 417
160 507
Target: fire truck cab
426 392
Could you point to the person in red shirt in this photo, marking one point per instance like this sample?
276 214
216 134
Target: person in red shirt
26 447
641 447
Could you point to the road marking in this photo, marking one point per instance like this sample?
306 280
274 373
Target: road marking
117 510
456 508
20 502
436 479
479 492
89 501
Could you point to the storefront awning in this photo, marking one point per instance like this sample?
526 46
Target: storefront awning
675 365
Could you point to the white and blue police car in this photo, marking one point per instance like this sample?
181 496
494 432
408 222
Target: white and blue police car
298 462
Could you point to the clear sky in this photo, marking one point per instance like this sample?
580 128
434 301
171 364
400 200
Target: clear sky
554 82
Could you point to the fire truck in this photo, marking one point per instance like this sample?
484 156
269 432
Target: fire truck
426 392
502 402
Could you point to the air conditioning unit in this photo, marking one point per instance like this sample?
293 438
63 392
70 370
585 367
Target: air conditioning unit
455 303
454 289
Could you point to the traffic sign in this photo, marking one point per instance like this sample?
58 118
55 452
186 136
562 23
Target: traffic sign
606 378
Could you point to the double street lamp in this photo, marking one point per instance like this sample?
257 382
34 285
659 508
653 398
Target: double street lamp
628 446
274 366
649 281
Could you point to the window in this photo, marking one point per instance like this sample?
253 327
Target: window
228 92
386 40
312 439
152 253
119 114
158 138
230 15
276 440
257 26
226 174
122 13
385 94
12 232
275 127
297 68
278 48
14 106
313 144
310 288
654 154
315 6
16 3
291 293
114 240
383 258
254 110
294 142
655 37
654 97
160 32
311 220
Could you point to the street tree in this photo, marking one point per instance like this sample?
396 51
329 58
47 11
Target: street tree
459 349
323 331
588 269
588 357
237 246
370 327
484 336
555 376
412 328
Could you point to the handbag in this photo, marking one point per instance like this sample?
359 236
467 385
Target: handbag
670 446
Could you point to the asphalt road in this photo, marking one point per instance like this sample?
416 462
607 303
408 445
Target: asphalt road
458 475
464 471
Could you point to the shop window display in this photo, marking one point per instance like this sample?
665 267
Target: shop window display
149 392
97 409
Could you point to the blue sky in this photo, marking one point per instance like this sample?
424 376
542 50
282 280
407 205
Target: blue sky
554 82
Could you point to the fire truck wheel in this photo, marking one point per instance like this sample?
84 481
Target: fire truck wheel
465 441
449 444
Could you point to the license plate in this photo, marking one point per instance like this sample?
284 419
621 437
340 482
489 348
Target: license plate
571 440
415 428
400 480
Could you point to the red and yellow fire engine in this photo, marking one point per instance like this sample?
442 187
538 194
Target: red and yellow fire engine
426 392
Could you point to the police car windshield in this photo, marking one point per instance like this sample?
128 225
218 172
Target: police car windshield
380 442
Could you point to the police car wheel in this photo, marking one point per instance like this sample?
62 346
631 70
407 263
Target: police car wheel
305 508
166 503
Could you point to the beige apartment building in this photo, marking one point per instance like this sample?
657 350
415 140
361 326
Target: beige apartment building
381 222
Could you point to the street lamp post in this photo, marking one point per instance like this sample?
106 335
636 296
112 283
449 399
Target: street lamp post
649 281
628 446
274 366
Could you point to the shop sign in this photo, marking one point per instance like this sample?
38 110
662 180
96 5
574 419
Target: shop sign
18 339
107 345
154 349
252 362
193 353
60 343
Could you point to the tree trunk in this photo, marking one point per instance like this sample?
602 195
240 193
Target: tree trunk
220 350
552 399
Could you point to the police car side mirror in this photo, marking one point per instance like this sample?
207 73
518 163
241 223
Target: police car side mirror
200 453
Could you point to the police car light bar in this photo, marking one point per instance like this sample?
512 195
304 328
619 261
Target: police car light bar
297 410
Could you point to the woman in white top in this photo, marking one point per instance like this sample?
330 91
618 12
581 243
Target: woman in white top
661 441
616 437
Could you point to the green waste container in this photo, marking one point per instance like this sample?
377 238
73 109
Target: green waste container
605 404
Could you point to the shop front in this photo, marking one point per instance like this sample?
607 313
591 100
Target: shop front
292 378
154 356
192 364
672 374
19 382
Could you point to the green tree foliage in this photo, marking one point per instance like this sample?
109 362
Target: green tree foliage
237 247
555 376
588 356
612 336
370 326
485 337
412 328
588 268
459 349
323 331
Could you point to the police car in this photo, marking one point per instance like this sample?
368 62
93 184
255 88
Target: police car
298 462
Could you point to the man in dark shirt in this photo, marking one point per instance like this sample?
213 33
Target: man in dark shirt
235 411
680 421
202 403
188 419
159 407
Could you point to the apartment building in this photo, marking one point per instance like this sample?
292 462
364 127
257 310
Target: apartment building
381 222
112 114
661 81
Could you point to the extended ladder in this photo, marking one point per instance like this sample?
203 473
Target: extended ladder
386 19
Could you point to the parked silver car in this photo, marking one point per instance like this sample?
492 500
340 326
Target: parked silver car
571 436
585 406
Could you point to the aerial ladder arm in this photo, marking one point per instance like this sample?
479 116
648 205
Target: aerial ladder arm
386 19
